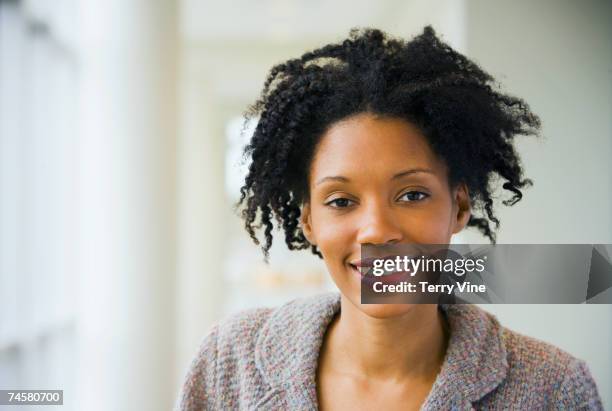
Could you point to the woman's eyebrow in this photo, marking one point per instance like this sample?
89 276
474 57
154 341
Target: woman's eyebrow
395 177
412 171
333 178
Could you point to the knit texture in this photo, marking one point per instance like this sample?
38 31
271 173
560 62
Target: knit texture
266 359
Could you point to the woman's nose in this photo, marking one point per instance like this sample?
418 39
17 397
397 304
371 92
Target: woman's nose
379 226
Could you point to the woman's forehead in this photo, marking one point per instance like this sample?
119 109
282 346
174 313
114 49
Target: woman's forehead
367 142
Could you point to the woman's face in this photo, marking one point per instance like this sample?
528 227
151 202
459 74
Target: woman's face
375 180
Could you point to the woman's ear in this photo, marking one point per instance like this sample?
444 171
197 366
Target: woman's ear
463 209
306 221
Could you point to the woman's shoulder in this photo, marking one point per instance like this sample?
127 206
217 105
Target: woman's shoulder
242 351
527 352
249 324
520 351
533 361
539 371
245 327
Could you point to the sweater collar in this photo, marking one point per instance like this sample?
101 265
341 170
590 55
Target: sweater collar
288 346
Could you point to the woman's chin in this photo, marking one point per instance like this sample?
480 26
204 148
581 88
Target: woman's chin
351 290
385 310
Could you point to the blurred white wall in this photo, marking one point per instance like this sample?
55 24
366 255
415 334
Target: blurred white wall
557 56
127 204
38 135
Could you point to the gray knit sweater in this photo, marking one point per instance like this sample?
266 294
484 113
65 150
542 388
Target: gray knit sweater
266 359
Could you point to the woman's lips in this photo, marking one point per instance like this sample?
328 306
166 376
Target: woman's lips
369 262
387 278
365 265
356 271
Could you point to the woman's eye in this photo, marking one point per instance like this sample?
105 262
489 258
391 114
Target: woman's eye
339 203
414 195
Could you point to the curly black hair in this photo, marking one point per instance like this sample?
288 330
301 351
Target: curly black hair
457 106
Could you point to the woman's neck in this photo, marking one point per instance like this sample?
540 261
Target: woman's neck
410 346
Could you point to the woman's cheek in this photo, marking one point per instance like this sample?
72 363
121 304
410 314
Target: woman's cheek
435 228
333 238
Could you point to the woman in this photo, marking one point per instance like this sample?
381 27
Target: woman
380 141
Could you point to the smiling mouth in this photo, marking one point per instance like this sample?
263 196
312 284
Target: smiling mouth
368 280
365 266
365 273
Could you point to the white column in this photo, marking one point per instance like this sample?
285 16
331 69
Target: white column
203 210
127 191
